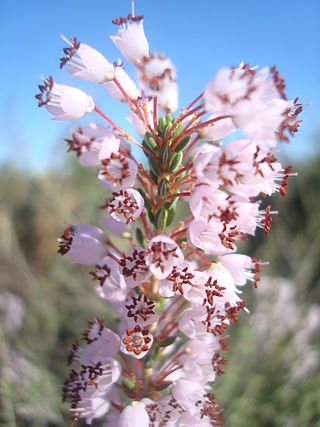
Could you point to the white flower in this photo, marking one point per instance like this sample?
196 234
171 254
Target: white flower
163 255
91 64
127 84
84 243
134 415
168 98
126 206
64 102
93 143
132 42
136 342
117 173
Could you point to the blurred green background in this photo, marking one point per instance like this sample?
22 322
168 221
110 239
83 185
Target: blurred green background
273 373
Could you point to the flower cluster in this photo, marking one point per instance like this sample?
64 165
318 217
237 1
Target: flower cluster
177 287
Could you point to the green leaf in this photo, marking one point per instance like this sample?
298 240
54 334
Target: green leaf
151 143
171 213
168 341
175 161
140 237
163 187
165 154
177 131
154 166
147 203
161 219
183 144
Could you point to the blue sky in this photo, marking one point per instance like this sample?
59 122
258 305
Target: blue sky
199 36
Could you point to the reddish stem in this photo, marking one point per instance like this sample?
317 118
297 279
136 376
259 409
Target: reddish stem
193 250
101 113
145 175
182 194
180 171
195 101
176 233
180 119
196 139
126 96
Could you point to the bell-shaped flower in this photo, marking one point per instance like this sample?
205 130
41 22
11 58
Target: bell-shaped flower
64 102
118 172
188 392
93 143
217 130
168 98
84 243
127 84
133 266
89 405
134 415
139 309
120 229
89 64
163 254
132 42
136 342
157 76
239 266
102 345
126 206
209 236
111 284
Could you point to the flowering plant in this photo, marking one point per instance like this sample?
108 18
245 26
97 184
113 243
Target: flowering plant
177 290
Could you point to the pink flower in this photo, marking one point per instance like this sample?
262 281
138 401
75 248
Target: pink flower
118 172
134 267
127 84
239 266
132 42
90 65
208 236
64 102
117 228
156 76
163 254
136 342
168 98
187 392
134 415
84 243
126 206
90 405
111 284
218 130
93 143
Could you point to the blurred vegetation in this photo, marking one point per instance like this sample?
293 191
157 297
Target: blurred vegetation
257 388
